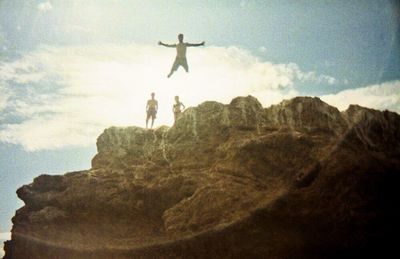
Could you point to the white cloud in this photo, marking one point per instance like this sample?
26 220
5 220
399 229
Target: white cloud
24 70
262 49
380 96
79 91
44 7
318 79
76 29
5 236
4 96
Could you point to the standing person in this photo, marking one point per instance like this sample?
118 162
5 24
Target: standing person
151 109
176 108
180 59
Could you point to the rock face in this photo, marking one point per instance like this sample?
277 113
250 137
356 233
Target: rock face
296 180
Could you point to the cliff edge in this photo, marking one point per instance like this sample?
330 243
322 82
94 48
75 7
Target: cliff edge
296 180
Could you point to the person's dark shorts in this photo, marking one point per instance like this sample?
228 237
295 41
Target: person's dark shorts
151 113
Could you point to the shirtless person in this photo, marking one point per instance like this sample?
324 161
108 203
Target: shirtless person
180 59
176 108
151 109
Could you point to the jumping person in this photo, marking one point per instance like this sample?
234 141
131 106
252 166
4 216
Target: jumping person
176 108
180 59
151 109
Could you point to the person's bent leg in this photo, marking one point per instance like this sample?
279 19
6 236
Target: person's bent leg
185 65
170 73
174 67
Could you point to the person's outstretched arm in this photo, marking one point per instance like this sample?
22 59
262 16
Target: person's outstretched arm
195 44
167 45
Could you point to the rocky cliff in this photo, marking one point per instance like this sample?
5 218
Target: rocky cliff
296 180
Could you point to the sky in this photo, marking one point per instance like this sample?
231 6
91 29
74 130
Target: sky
70 69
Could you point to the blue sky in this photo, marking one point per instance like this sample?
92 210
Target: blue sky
69 69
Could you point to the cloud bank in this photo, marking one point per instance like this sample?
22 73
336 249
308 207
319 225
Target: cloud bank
44 7
5 235
66 96
3 98
380 96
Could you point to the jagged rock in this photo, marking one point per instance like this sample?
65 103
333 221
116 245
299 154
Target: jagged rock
306 114
296 180
46 215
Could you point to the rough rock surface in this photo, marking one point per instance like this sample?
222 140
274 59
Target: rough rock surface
296 180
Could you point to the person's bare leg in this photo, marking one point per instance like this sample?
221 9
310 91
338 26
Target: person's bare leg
152 122
170 73
186 67
173 68
147 122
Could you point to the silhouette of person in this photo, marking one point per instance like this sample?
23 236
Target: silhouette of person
180 59
151 109
176 108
